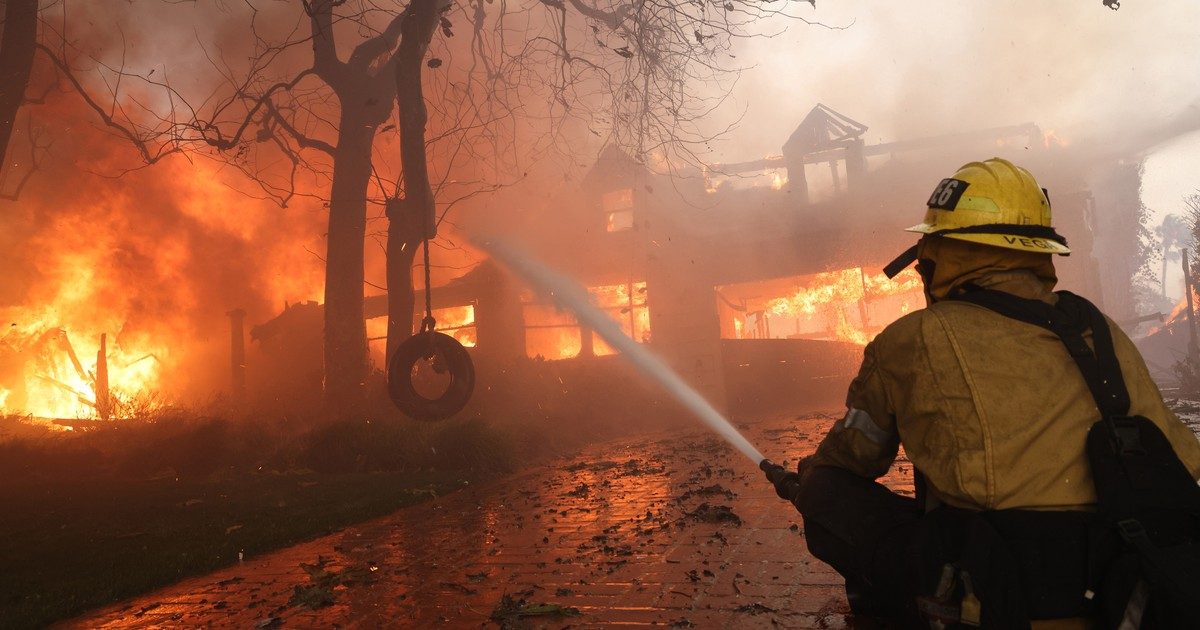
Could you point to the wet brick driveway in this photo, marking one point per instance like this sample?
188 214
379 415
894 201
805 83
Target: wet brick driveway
670 530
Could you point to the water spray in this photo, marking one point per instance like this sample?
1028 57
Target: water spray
569 295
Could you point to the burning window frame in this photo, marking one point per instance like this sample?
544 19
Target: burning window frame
626 303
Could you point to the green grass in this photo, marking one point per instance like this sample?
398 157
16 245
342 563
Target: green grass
71 545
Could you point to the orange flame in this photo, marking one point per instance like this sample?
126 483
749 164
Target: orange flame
553 335
458 322
830 291
1051 140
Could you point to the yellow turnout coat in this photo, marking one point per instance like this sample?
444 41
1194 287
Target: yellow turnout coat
993 411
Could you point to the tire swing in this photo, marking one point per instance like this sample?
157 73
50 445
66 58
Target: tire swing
445 354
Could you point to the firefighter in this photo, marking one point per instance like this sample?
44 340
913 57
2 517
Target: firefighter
1021 410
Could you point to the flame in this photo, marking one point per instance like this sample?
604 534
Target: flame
1052 140
847 285
152 261
778 181
553 335
771 174
849 332
553 344
1176 314
458 322
51 372
842 300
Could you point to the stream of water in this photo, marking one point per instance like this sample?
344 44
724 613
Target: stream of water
569 295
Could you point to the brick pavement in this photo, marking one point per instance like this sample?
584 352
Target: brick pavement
638 532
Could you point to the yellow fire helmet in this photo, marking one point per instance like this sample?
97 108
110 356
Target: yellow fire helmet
993 202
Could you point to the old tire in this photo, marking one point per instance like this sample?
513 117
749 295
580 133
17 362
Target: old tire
457 364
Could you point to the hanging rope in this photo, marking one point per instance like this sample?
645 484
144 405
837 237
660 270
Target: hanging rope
429 323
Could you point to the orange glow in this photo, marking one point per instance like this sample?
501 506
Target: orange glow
1176 314
553 344
1052 140
43 380
778 181
552 335
153 261
846 305
458 322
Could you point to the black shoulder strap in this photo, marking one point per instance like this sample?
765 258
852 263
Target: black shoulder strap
1069 320
1142 487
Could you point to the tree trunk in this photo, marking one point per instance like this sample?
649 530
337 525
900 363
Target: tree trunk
16 61
346 357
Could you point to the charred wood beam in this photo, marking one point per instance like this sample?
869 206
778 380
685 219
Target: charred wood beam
67 388
103 399
839 153
1152 317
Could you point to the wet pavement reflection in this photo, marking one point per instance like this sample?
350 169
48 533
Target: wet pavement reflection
670 530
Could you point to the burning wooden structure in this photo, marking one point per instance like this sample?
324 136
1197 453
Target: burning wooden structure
759 281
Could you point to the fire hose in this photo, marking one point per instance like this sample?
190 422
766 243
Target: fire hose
567 294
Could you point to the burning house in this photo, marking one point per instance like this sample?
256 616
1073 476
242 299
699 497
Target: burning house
759 281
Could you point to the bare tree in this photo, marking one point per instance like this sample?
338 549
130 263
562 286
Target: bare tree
1173 233
16 62
641 75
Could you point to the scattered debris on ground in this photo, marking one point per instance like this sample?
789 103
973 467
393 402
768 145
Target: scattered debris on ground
659 542
756 608
707 513
320 591
715 489
510 611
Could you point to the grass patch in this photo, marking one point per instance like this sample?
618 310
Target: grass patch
72 545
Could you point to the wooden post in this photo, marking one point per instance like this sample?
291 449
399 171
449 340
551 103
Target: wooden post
587 343
237 353
1193 355
862 303
103 400
797 180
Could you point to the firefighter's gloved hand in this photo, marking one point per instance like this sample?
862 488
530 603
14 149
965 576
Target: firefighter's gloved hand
787 484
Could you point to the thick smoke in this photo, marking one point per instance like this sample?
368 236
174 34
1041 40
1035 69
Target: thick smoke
155 257
1123 79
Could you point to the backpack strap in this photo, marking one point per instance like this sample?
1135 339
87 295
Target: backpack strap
1143 490
1069 320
